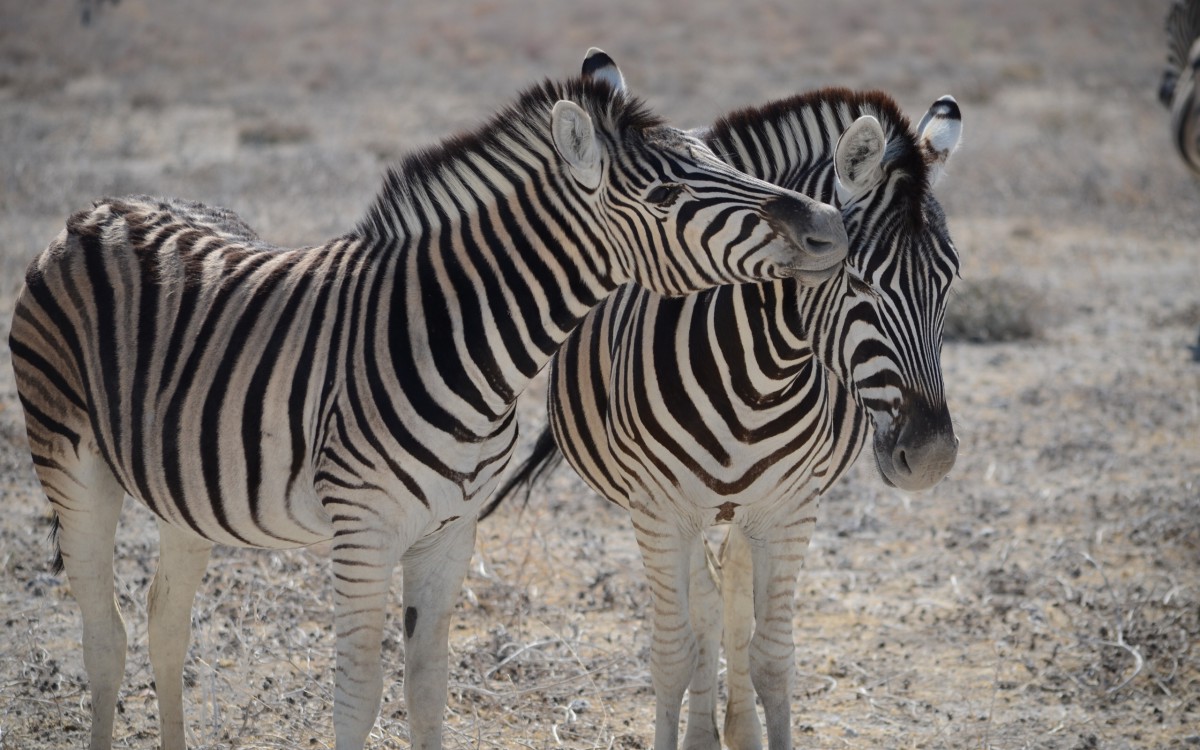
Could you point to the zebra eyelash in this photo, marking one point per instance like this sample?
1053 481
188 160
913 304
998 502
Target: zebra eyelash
664 194
860 285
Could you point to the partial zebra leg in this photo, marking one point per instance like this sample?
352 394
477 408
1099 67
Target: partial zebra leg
704 604
87 499
777 563
363 562
743 730
182 559
434 570
666 553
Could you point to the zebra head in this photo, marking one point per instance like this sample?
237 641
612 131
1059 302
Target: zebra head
889 305
678 218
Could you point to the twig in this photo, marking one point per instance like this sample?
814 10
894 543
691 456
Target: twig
1120 628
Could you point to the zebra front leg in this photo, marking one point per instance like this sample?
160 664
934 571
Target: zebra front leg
777 563
182 559
434 570
743 730
87 499
363 562
666 554
704 605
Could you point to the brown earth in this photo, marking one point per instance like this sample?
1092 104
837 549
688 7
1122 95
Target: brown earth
1046 595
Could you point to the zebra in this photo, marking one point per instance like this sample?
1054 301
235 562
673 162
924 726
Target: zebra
741 405
1180 86
360 391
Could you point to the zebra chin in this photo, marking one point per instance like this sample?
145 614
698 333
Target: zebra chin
917 452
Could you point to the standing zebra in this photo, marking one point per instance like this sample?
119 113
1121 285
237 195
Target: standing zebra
359 391
743 404
1180 88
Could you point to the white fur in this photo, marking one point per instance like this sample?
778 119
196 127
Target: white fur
575 139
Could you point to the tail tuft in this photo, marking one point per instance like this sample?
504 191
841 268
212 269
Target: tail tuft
57 567
542 460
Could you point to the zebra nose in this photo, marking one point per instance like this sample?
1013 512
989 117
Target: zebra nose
816 232
924 452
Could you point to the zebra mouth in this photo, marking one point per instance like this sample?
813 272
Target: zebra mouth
811 276
917 455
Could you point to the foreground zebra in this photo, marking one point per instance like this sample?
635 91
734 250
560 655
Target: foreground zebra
743 404
360 391
1180 88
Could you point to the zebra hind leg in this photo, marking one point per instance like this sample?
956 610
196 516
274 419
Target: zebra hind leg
704 604
183 556
434 570
87 500
777 564
743 730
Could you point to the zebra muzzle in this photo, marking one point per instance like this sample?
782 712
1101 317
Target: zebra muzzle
814 234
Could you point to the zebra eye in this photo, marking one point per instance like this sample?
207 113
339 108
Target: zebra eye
860 286
664 194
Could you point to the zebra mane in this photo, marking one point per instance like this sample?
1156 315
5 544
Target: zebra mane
525 124
832 110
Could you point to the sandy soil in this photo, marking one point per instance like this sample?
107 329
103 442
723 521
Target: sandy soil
1046 595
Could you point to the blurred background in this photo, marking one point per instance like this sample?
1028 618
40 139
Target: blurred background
1047 594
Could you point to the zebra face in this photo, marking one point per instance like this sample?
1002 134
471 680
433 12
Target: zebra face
689 221
683 220
892 301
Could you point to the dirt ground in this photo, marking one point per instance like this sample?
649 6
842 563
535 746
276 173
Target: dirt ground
1045 595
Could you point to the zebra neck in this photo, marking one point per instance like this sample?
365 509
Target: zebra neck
484 287
767 323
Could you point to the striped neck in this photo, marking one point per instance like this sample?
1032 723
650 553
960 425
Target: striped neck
488 253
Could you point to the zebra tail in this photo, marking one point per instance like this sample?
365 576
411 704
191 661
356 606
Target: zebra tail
544 458
58 566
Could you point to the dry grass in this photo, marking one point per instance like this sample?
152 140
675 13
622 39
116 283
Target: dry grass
994 310
1043 596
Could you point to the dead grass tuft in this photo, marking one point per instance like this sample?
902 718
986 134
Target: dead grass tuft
993 310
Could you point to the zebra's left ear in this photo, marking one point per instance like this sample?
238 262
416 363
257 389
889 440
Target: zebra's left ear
598 66
857 157
575 140
940 132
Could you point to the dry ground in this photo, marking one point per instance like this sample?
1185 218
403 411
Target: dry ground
1046 595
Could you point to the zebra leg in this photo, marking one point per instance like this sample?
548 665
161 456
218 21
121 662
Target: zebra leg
363 562
87 499
777 564
743 730
666 552
704 604
182 559
434 570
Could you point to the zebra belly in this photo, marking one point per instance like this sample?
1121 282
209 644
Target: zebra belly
238 506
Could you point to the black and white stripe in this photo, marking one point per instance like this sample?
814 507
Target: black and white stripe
362 390
743 404
1180 88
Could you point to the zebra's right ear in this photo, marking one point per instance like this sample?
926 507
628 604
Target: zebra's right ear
598 66
575 140
857 158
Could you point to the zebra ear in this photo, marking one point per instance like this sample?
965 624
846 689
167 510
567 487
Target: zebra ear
575 140
940 132
858 155
598 66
